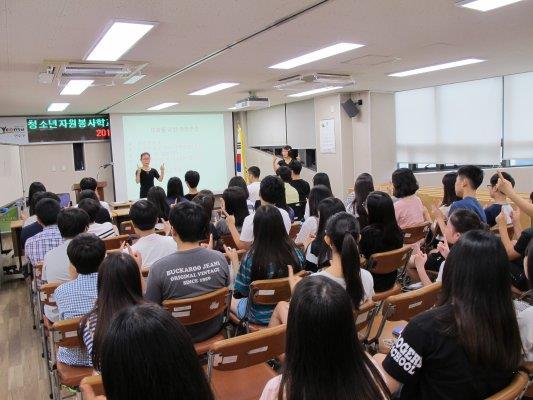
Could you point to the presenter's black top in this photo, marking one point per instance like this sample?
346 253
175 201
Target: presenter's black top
147 181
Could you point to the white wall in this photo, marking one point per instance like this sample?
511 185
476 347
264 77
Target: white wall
10 176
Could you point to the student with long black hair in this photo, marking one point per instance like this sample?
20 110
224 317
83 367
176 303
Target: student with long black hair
525 317
234 203
363 186
174 191
382 234
147 354
469 346
156 195
30 217
323 357
449 195
310 225
271 252
119 286
238 181
321 178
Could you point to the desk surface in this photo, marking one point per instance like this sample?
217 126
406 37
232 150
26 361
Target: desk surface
121 212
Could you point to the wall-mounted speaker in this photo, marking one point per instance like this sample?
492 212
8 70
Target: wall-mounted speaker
351 108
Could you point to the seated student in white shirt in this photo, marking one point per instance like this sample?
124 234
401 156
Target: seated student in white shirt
89 183
150 245
253 187
104 215
56 264
272 192
102 230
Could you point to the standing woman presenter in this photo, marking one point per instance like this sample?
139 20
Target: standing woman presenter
145 175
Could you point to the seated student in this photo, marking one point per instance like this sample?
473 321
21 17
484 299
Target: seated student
525 317
291 194
460 222
29 217
323 357
92 208
91 184
310 225
118 287
469 346
56 265
35 227
382 234
301 186
500 201
364 184
103 215
165 367
271 252
253 186
449 196
192 179
234 203
469 179
174 191
156 195
38 245
408 208
318 252
272 192
192 270
506 188
239 181
206 199
151 246
76 297
320 178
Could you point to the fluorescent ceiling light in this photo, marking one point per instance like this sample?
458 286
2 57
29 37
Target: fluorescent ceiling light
213 89
134 79
118 39
438 67
232 108
76 86
315 91
317 55
161 106
485 5
57 106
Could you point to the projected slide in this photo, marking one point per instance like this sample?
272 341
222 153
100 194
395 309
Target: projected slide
198 142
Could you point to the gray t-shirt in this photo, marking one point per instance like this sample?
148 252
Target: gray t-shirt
186 274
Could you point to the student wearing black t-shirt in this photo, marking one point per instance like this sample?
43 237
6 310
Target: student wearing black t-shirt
145 175
301 186
469 346
192 179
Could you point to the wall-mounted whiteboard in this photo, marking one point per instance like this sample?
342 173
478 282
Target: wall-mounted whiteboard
10 176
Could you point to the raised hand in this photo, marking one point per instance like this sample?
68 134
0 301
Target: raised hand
293 279
443 248
503 184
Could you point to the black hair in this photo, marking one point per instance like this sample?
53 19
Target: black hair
343 231
192 178
175 188
239 181
91 207
272 249
189 221
88 183
478 307
316 195
293 153
272 191
72 221
296 167
448 184
464 220
287 147
529 266
143 214
39 196
47 210
254 171
326 209
321 178
284 173
119 286
363 186
86 252
235 204
206 200
473 174
404 183
381 213
156 195
321 311
34 188
88 194
148 354
145 154
494 179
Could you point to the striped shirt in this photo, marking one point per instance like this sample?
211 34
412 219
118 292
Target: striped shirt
38 245
259 314
105 230
88 333
75 299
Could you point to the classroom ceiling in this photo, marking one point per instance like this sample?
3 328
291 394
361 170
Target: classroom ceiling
397 34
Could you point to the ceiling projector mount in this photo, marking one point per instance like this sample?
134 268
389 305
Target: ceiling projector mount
317 80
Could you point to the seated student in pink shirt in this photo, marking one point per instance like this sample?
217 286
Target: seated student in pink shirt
408 208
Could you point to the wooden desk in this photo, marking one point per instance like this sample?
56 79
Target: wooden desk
120 215
119 205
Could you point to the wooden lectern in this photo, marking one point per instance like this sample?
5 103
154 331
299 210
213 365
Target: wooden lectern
99 189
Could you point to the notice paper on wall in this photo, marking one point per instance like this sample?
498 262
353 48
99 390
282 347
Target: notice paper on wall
327 136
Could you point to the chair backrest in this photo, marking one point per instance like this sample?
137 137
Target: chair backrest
404 306
514 390
113 243
415 233
364 316
126 228
295 229
389 261
270 291
228 241
247 350
47 293
66 332
95 382
200 308
510 230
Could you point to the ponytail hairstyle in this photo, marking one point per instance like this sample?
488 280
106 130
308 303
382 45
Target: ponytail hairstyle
342 229
364 185
326 208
